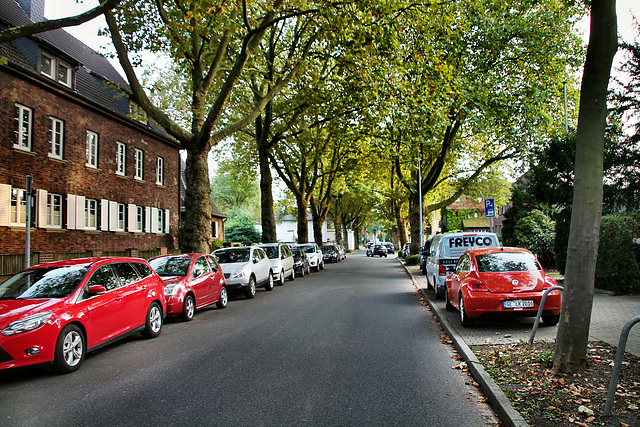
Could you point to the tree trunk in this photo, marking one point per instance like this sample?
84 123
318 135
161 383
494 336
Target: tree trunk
303 223
337 222
195 233
402 229
414 222
573 330
317 221
268 215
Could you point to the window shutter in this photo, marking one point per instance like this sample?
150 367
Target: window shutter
104 215
41 211
132 211
147 219
154 220
5 204
80 206
113 216
167 219
71 212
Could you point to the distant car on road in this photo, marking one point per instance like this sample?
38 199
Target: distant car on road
245 268
380 250
281 260
54 313
389 247
300 262
500 281
314 254
191 282
330 253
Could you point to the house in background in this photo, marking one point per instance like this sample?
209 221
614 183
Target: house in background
105 179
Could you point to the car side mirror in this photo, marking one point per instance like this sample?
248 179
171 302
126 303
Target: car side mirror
97 289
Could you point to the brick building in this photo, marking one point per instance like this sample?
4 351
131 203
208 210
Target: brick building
105 179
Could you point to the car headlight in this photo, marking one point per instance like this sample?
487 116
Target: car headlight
238 274
171 290
28 324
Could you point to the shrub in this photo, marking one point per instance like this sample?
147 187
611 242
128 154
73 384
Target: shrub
536 232
617 268
411 260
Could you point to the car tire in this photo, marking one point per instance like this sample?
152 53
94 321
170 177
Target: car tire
270 283
292 276
188 308
321 265
70 350
551 319
464 317
282 278
153 324
250 292
447 302
224 298
438 293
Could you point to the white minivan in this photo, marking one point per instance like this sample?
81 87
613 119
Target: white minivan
445 250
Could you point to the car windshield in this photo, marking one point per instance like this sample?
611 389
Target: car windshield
271 251
309 249
328 248
171 266
57 282
228 256
296 252
507 261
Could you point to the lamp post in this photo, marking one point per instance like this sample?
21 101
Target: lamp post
420 196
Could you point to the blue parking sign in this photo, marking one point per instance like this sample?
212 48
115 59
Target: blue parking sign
489 208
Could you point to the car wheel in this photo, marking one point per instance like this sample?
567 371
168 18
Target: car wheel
282 278
250 292
292 277
447 302
70 350
551 320
464 317
321 266
188 308
438 292
308 269
270 283
224 298
153 324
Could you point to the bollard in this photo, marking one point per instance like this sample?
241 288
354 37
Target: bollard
540 309
613 384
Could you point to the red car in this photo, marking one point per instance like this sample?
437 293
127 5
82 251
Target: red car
507 281
191 281
53 313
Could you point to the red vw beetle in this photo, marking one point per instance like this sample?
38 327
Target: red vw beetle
191 281
508 281
54 313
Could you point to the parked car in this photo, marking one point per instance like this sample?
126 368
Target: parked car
424 254
281 261
389 247
191 282
380 250
445 250
245 268
314 254
330 253
506 281
370 249
54 313
405 250
300 262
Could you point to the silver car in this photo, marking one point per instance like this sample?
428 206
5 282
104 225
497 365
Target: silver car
281 261
245 268
314 254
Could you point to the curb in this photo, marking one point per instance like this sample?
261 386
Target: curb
499 401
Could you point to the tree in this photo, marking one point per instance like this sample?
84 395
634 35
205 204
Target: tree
241 229
577 302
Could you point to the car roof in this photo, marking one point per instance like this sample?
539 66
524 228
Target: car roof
85 261
501 249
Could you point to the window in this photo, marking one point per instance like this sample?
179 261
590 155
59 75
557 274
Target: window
103 276
90 214
126 273
139 173
23 127
160 171
56 137
54 210
92 149
120 224
160 228
18 214
121 157
137 113
56 69
139 218
200 267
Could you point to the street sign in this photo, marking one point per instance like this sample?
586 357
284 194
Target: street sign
489 208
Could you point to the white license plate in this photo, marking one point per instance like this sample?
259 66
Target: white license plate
518 304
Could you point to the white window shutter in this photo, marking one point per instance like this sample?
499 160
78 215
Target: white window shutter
80 200
71 212
132 211
5 205
41 211
147 219
167 220
113 216
104 215
154 220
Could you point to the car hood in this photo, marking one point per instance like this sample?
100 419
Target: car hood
16 309
513 282
174 280
232 267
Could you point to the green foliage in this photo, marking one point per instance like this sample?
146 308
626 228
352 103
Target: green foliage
455 217
535 232
617 269
216 244
412 260
241 229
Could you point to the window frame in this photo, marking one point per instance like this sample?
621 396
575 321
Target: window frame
52 214
139 165
92 149
160 171
56 65
21 131
88 214
121 158
18 198
56 142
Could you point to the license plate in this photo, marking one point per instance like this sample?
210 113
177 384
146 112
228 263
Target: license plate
518 304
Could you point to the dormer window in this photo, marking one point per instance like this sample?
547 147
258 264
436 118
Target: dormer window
56 69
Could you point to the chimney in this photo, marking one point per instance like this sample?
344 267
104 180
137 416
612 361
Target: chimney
33 8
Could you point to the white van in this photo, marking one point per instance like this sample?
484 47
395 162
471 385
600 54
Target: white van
445 250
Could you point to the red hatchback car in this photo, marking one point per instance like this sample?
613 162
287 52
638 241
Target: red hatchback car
507 281
54 313
191 281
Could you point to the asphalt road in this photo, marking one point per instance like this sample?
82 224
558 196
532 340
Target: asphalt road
348 346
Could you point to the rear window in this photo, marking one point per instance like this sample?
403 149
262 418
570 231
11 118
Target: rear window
455 246
507 261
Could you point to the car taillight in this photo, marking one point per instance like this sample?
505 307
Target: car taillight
478 287
442 271
549 282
